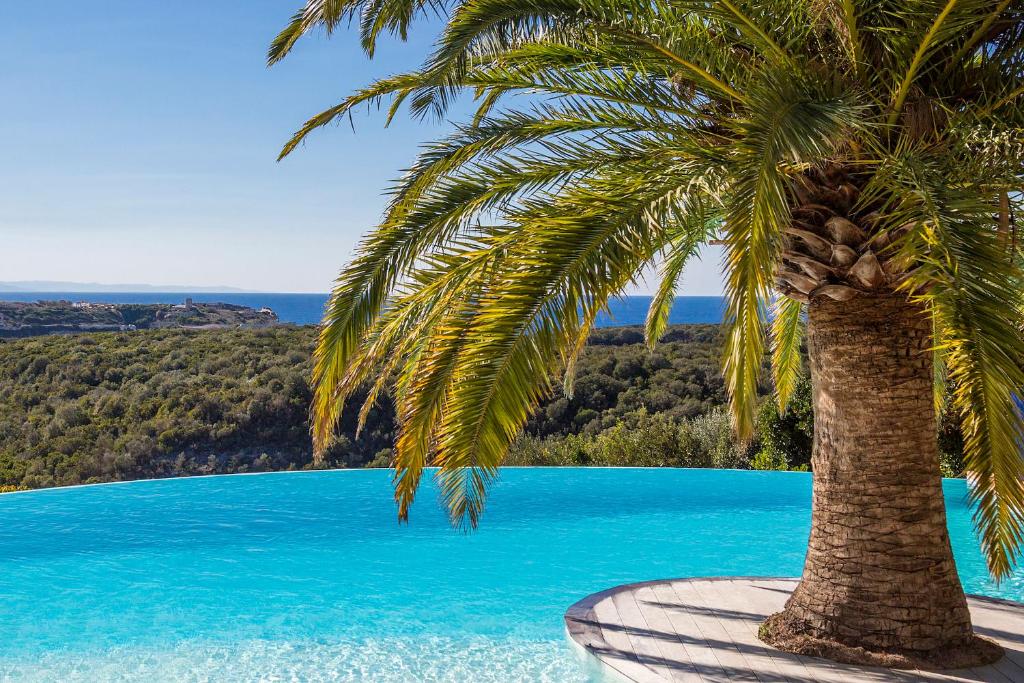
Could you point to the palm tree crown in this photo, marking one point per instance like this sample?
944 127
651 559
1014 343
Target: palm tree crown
838 148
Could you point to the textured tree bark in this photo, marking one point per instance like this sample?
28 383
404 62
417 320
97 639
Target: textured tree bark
879 583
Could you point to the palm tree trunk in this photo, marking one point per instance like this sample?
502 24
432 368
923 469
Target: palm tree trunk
879 583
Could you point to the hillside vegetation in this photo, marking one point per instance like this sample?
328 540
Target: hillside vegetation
157 403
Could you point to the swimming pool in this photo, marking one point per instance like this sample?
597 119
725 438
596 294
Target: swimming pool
308 576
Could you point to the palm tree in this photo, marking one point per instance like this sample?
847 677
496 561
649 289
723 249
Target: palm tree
861 162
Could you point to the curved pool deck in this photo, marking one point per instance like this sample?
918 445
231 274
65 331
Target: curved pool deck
705 629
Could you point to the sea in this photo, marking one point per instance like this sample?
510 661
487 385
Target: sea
307 309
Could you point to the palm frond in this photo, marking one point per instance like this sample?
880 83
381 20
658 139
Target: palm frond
965 277
786 127
397 86
696 229
375 18
326 13
928 41
787 331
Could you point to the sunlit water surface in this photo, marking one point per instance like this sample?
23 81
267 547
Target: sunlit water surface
308 576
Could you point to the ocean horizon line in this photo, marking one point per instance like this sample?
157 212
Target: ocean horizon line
307 308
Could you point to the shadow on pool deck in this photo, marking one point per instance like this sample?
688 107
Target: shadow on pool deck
705 630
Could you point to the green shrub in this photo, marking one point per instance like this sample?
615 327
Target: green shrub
769 459
713 442
786 439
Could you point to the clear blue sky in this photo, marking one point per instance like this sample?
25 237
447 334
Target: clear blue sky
139 141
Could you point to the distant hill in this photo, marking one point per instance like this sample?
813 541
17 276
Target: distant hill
59 286
32 319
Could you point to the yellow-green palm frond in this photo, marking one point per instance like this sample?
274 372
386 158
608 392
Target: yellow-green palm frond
397 86
569 257
374 18
695 229
326 13
787 332
795 121
548 36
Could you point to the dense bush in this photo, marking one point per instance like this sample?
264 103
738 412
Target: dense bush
642 440
115 406
785 438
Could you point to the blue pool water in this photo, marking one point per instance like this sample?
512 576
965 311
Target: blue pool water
307 576
307 309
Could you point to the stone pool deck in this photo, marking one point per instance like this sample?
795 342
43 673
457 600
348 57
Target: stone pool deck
703 630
